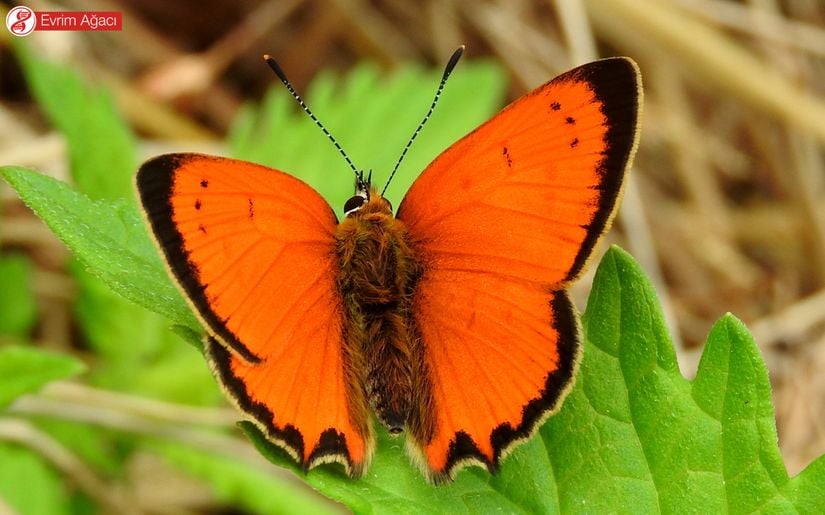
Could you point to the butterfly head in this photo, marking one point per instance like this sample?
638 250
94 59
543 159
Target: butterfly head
366 198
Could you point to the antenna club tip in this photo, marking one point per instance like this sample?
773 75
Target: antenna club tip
453 61
276 68
457 54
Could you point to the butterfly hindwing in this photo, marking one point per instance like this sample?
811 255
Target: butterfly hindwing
253 249
502 221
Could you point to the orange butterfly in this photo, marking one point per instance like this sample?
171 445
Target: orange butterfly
450 321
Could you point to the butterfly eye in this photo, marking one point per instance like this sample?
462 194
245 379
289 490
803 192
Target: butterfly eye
354 204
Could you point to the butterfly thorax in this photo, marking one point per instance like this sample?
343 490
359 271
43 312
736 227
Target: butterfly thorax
377 275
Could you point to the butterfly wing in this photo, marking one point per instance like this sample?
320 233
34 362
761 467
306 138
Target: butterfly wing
502 221
253 249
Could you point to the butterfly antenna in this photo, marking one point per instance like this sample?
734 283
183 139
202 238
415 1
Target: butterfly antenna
281 75
447 71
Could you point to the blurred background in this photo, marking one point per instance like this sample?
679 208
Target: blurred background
725 210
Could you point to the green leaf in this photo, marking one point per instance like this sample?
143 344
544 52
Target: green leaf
108 237
26 369
634 435
393 485
806 488
101 147
28 485
18 307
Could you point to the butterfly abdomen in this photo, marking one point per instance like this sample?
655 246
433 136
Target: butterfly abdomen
377 273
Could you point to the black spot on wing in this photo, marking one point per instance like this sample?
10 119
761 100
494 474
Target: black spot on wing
198 204
155 181
506 153
555 106
574 143
251 209
570 120
204 183
615 84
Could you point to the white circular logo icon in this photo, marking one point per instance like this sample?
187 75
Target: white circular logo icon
21 21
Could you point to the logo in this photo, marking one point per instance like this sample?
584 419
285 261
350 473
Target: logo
21 21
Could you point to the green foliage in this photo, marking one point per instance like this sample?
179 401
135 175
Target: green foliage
26 369
655 440
108 237
101 147
633 436
245 487
29 485
93 445
102 153
18 308
393 485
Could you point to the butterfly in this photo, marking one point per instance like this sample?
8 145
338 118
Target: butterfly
449 321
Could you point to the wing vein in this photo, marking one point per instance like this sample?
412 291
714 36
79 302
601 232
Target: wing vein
486 269
495 346
310 288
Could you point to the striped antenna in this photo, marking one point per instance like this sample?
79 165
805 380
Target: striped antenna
281 75
447 71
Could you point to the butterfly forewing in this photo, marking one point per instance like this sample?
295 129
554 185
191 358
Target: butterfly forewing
253 249
502 221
